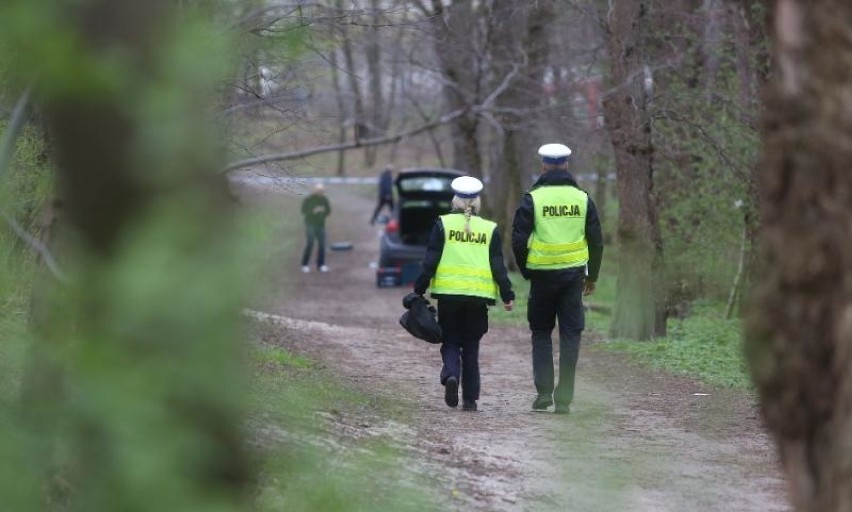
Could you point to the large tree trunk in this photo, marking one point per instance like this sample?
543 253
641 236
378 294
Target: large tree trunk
360 124
374 67
525 47
397 83
454 32
749 49
752 72
799 334
341 112
713 15
601 192
639 311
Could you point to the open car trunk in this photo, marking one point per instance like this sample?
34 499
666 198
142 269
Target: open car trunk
416 218
423 196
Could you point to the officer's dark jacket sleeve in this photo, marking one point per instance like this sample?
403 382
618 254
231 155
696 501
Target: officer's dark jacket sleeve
522 228
498 268
434 250
594 237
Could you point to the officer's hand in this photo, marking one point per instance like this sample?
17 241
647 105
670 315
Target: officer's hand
509 305
589 288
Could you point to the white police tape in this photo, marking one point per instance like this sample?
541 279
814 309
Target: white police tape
259 180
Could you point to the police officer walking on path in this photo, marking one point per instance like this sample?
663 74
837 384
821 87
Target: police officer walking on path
464 263
558 245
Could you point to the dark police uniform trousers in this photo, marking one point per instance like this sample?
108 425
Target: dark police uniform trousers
463 324
556 295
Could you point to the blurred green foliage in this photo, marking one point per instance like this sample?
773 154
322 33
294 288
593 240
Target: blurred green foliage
124 385
125 388
24 190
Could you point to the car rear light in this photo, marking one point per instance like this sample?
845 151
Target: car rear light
392 226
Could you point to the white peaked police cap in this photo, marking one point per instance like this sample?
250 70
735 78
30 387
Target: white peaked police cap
554 153
466 187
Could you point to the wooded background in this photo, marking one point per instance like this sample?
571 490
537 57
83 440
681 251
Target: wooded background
701 128
659 101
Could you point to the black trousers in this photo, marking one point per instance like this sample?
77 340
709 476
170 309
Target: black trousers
382 202
314 233
463 324
551 299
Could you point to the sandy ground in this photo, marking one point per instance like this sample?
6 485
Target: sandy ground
636 439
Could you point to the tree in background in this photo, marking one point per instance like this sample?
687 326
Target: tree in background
488 82
626 107
680 112
799 335
457 35
519 59
706 141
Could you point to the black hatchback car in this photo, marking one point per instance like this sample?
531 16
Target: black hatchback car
422 195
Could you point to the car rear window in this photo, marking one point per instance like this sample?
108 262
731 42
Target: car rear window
425 184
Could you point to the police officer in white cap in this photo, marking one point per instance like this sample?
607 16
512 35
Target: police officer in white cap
465 269
558 245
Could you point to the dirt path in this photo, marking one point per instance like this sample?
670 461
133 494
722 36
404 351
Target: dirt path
636 440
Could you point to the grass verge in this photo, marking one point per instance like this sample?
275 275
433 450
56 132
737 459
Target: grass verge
318 450
704 346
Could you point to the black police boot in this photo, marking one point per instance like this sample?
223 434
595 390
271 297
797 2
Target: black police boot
468 405
562 409
542 402
451 391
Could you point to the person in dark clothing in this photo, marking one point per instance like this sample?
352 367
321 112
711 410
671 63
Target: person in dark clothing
315 209
464 268
558 245
385 193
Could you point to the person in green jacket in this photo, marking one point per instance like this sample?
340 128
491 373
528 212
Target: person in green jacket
315 209
464 268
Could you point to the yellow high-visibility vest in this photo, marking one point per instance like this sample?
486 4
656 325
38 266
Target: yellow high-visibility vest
465 266
558 239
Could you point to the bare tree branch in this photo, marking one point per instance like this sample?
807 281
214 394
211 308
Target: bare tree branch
507 81
20 116
13 131
447 118
37 246
257 15
435 142
292 155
